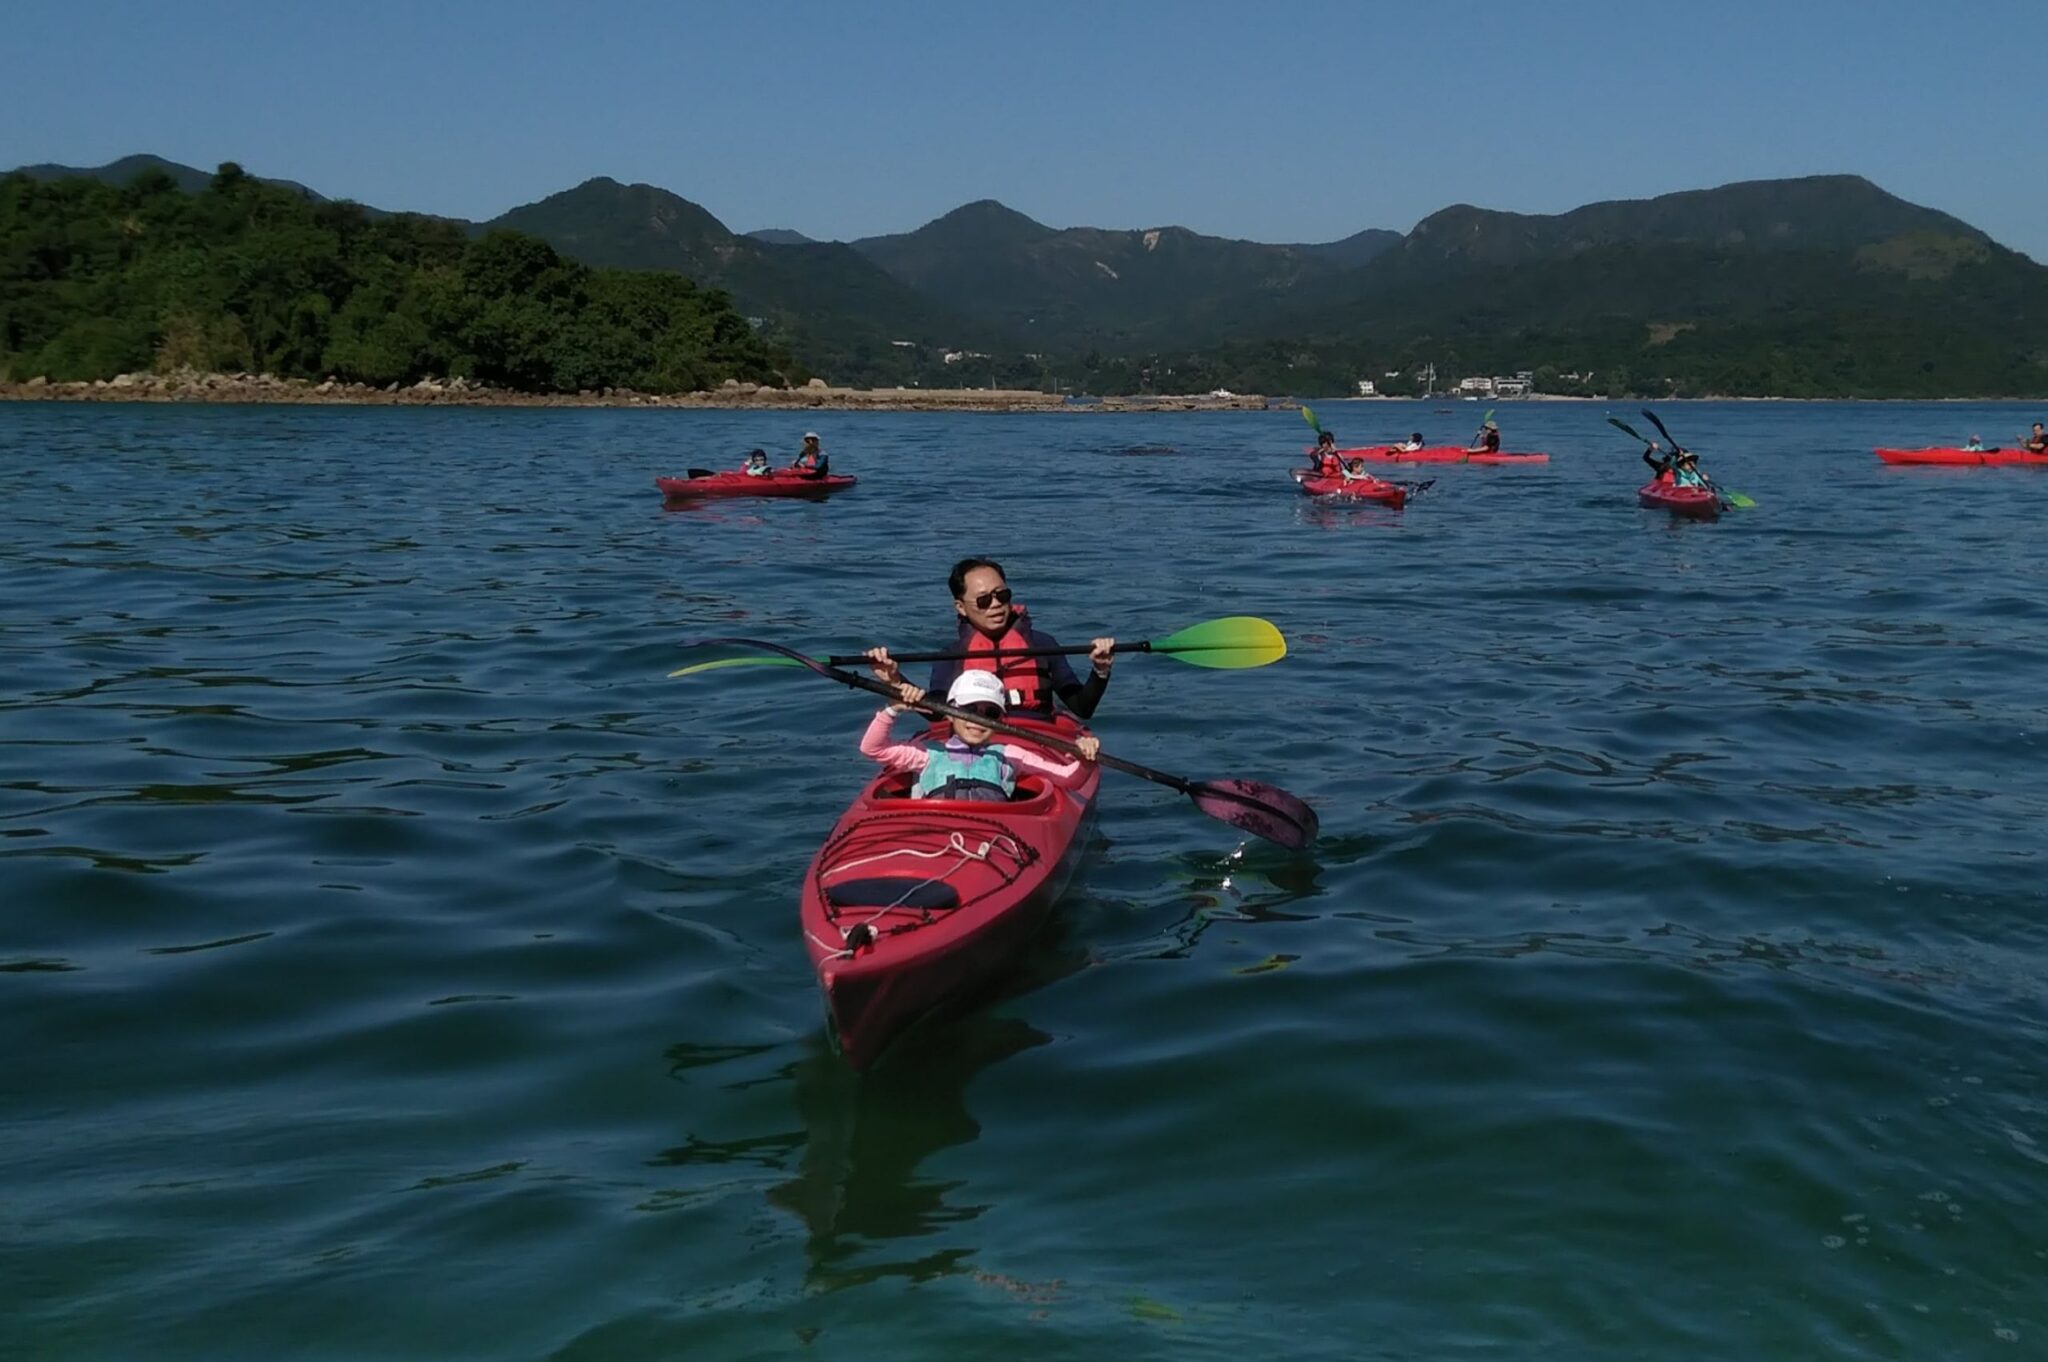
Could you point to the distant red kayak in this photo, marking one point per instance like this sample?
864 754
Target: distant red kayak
1436 454
780 483
1690 501
1391 494
912 902
2015 457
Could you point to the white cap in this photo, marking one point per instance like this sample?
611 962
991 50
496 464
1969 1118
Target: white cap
810 435
977 688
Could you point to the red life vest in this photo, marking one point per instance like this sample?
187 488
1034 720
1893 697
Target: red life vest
1333 467
1023 677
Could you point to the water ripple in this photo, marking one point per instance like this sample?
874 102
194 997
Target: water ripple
1667 982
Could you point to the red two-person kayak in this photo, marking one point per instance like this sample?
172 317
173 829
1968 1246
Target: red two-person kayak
1356 489
781 483
1692 501
2002 457
1437 454
912 902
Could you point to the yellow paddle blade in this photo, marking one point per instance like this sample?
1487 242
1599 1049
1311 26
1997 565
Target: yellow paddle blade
736 662
1233 642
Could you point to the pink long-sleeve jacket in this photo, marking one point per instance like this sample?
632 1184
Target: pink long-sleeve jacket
911 757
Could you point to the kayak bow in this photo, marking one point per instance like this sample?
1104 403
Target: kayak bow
1697 502
913 902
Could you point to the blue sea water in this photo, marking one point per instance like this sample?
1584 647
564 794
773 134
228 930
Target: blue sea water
395 963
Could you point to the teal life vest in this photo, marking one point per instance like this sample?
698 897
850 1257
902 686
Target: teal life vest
1687 478
957 771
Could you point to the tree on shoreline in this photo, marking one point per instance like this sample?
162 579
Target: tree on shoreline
97 280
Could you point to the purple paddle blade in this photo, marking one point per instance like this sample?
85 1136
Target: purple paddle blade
1261 810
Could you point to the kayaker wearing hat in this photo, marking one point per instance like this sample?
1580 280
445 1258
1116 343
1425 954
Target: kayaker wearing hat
1681 469
991 620
966 765
1485 440
811 460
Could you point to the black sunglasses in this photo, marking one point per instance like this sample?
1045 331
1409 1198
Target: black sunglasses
983 710
1001 594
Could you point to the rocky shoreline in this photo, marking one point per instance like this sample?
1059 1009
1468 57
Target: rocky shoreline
187 386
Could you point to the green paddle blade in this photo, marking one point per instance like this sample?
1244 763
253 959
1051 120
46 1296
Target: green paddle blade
1737 499
1310 417
1232 643
736 662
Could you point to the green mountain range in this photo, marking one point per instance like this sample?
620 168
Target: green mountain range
123 172
1089 287
1825 285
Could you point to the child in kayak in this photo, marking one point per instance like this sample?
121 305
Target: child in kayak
756 465
1411 444
1974 445
966 765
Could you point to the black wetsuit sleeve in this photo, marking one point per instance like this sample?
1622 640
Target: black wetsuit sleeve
1656 464
1083 697
1080 697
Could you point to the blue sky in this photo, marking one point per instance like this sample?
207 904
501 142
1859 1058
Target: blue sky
1275 122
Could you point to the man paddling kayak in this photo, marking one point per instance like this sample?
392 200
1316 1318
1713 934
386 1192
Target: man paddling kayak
2037 443
1322 460
990 619
1485 440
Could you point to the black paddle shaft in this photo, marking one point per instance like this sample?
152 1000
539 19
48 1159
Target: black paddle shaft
1261 809
944 710
956 655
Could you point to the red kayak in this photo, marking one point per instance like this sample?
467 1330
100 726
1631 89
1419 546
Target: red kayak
1391 494
780 483
912 902
2001 457
1436 454
1692 501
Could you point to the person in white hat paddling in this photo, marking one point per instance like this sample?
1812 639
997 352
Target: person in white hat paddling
810 460
966 765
